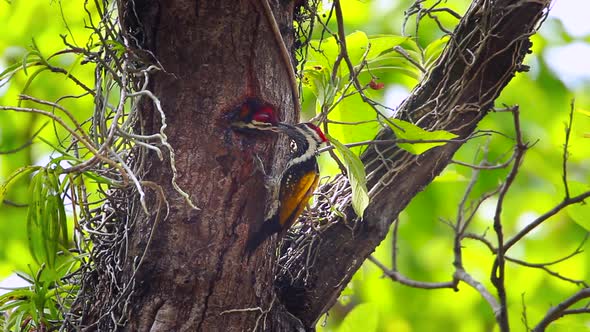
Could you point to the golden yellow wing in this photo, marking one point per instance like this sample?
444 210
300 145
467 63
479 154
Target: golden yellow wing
294 197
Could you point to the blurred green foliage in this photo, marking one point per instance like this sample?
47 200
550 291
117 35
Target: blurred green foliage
371 302
26 25
36 219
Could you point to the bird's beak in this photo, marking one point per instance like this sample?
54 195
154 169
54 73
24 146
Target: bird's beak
254 125
283 127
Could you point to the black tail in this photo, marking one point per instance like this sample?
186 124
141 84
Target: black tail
268 228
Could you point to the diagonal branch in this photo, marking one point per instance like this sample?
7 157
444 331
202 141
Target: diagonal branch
560 310
485 52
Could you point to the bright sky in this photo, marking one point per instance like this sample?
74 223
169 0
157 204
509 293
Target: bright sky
573 14
572 62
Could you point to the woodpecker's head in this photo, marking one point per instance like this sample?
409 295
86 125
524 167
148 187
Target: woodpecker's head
305 131
307 138
254 114
314 131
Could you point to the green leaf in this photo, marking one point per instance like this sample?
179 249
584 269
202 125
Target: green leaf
356 45
324 53
317 79
434 50
35 215
356 176
580 212
450 176
46 219
19 315
64 154
412 132
7 73
15 294
59 225
10 70
382 43
29 81
352 110
10 303
97 178
364 317
393 62
37 57
13 177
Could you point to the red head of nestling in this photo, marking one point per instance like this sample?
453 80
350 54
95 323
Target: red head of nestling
254 114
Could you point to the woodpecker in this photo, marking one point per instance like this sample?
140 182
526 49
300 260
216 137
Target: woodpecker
297 182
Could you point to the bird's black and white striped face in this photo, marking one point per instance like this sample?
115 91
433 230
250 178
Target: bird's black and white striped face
309 129
304 132
307 139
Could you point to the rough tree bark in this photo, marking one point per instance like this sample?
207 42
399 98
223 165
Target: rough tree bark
215 53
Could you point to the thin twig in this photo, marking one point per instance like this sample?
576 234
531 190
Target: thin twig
401 141
27 143
550 272
560 310
285 56
497 274
352 73
405 54
568 130
462 275
73 132
532 225
396 276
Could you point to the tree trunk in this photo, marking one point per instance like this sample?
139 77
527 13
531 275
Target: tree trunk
215 54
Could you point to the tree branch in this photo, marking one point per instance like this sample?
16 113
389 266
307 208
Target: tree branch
497 274
402 279
485 52
560 310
